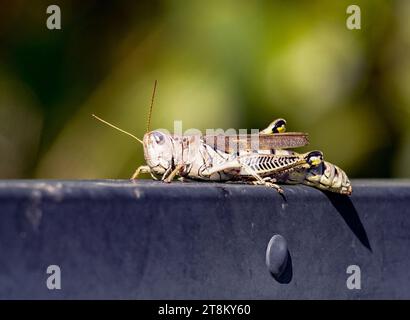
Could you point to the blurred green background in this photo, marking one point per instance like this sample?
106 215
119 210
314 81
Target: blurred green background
219 64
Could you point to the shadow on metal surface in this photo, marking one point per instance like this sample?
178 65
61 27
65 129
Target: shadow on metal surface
287 274
345 207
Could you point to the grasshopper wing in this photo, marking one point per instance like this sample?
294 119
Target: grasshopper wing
234 143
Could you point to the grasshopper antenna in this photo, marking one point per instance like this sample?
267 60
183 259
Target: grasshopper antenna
150 108
116 128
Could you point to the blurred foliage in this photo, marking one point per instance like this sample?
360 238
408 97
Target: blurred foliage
219 64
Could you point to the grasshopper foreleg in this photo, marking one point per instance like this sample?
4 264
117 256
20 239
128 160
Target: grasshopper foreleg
143 169
169 176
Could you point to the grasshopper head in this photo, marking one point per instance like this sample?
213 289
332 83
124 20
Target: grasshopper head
158 151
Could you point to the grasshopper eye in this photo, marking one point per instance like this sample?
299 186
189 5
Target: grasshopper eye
158 137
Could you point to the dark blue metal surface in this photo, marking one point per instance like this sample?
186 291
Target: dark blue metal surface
117 239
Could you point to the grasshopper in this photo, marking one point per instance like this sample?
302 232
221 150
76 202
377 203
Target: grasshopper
195 157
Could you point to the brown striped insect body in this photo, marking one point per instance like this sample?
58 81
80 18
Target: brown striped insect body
198 157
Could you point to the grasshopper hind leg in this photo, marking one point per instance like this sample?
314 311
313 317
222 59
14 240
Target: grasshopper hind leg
267 182
234 167
259 181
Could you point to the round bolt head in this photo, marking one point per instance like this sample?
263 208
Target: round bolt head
277 255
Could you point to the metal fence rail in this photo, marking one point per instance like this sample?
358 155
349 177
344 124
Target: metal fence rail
117 239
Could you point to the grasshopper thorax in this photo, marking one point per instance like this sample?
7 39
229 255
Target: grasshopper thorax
158 151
